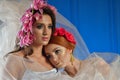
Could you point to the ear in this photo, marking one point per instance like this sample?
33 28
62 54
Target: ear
69 51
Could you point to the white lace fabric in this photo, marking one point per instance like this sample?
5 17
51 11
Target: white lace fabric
96 68
19 68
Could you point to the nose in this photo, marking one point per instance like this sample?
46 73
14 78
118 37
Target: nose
45 31
54 60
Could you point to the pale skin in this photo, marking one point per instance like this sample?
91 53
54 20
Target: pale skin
42 30
60 56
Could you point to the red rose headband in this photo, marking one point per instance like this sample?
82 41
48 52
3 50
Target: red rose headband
64 33
25 35
64 38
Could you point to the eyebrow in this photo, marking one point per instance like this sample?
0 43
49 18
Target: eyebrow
42 23
52 50
38 23
55 49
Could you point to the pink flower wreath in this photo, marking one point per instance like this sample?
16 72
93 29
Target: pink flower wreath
25 35
67 35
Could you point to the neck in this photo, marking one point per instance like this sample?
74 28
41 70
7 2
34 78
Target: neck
37 51
38 57
72 69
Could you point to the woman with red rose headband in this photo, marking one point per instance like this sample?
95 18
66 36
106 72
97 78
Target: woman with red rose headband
59 51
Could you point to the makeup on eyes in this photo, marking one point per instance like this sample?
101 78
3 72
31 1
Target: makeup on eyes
59 51
41 25
55 51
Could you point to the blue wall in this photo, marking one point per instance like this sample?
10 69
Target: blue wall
98 21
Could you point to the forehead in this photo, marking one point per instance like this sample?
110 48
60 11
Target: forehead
45 19
51 47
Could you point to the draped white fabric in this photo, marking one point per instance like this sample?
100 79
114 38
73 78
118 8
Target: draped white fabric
14 67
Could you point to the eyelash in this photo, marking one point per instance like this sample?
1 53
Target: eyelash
48 56
50 27
56 52
41 26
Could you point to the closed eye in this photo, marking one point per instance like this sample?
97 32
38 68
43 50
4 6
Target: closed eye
48 56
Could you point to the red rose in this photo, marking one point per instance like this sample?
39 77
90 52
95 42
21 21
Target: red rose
61 31
56 32
70 37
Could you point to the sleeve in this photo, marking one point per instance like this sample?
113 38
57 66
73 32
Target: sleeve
103 68
13 68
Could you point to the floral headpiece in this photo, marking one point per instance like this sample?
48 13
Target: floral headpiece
64 33
25 35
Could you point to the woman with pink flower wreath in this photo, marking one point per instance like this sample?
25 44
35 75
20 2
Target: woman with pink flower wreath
27 61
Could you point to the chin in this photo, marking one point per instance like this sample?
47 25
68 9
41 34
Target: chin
45 43
60 66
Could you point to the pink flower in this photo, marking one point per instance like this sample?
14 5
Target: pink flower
27 16
37 16
41 11
26 40
30 26
25 27
20 34
37 4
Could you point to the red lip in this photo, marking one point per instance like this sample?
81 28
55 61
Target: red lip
58 64
45 38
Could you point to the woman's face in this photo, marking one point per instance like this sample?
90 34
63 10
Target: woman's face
58 55
42 30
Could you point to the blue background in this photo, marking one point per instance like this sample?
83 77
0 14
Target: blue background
98 21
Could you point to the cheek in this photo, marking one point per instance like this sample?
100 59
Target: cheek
65 58
52 61
49 32
37 37
37 33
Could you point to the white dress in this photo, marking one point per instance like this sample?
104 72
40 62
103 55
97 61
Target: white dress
96 68
14 67
93 68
